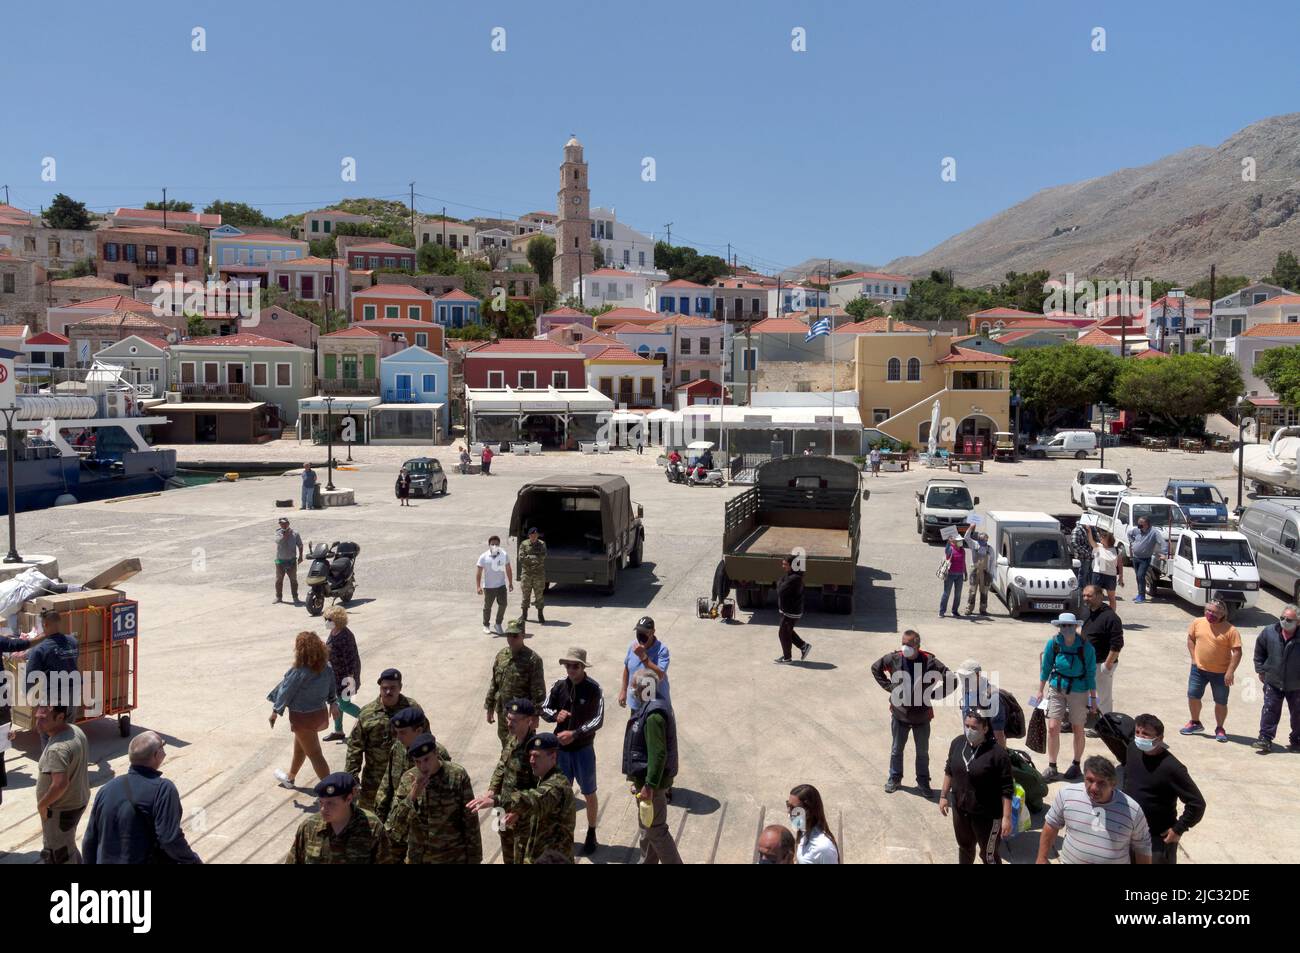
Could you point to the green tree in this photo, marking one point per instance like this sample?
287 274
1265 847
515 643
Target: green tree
1022 290
541 255
684 262
939 298
435 259
545 298
322 248
1064 379
65 212
1223 285
471 332
240 214
862 308
1286 271
844 272
171 205
1279 368
81 269
195 326
597 257
1180 390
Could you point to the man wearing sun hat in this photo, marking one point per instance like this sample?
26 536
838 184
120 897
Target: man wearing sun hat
1068 671
577 706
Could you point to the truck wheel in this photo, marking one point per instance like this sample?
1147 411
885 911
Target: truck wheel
1040 454
721 584
918 527
844 604
613 578
1014 609
1081 455
634 560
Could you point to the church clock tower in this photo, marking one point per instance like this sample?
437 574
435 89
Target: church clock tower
573 229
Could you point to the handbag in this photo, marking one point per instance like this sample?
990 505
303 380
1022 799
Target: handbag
1036 733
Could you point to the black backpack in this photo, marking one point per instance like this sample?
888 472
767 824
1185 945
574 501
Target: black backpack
1015 714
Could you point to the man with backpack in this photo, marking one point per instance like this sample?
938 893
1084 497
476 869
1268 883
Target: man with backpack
1068 672
981 698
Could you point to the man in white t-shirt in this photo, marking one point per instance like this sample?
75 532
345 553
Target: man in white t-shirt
492 577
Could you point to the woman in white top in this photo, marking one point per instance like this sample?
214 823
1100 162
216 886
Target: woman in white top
1107 563
815 844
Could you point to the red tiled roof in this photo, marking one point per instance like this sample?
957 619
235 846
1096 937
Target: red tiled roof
457 295
396 323
1098 338
47 337
113 303
85 281
1280 330
383 247
875 326
150 230
393 291
1150 352
314 260
681 283
685 321
1033 324
965 355
153 214
12 330
1280 299
627 327
779 326
127 320
630 314
1012 336
565 313
156 342
356 331
243 339
619 353
1003 313
612 273
539 346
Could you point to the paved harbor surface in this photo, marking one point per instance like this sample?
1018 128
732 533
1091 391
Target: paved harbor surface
213 645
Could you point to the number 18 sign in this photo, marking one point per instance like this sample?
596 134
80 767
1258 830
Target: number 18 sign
125 620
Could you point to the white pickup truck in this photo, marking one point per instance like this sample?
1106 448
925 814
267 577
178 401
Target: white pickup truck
1129 508
1207 564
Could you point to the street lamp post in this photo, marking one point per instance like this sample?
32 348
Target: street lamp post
9 413
1241 452
329 440
1102 441
1015 439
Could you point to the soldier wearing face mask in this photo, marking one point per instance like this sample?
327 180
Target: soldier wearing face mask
1158 781
1277 663
914 679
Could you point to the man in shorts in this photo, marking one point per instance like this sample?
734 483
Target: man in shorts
1068 672
577 706
1215 647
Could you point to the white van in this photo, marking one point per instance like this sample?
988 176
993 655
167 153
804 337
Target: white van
1079 444
1035 570
1209 564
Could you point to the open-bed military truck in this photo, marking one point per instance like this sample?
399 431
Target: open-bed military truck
797 504
589 523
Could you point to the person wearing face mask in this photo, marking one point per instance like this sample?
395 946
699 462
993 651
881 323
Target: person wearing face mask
1068 672
914 679
1104 630
491 578
977 785
346 662
649 653
1215 647
776 845
815 844
1158 781
981 698
1277 663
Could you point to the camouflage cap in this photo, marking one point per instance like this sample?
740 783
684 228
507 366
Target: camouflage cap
515 627
521 706
412 717
422 745
544 742
338 784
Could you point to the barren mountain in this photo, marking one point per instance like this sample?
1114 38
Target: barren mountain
1170 219
815 266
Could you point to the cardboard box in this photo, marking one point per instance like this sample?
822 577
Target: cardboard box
115 575
68 601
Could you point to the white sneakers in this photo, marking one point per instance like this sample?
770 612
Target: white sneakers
283 778
497 630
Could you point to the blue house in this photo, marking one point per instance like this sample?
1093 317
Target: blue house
456 309
414 385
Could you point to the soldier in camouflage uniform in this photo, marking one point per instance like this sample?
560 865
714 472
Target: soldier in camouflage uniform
372 736
431 822
516 673
407 725
341 833
547 812
532 574
513 771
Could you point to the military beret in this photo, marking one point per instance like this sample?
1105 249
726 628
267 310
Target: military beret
645 622
338 784
412 717
521 706
544 742
533 529
515 627
422 745
389 675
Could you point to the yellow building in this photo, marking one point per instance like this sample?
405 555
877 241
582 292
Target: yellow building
900 374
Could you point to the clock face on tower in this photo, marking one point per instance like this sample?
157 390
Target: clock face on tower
577 199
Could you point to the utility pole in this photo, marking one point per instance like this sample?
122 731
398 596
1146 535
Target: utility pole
413 238
1210 329
164 208
581 302
6 195
1123 328
830 338
444 226
669 242
749 369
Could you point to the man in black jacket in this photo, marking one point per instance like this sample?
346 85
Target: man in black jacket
1158 781
1105 630
789 602
1277 663
914 679
577 706
137 816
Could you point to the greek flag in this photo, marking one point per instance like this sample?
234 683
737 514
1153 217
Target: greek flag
817 330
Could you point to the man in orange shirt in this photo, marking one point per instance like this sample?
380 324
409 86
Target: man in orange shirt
1215 647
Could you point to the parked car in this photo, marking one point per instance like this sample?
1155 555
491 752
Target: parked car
942 503
1210 564
1035 572
1096 489
1068 443
1202 503
427 476
1272 525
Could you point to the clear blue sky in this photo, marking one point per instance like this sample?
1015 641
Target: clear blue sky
832 152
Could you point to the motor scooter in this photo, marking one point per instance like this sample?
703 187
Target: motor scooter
332 573
705 476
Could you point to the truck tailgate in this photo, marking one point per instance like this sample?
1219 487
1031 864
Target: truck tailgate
784 540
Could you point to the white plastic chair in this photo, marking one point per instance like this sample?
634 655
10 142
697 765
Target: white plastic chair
535 448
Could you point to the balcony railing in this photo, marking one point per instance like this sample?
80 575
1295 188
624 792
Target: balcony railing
348 386
214 392
401 395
